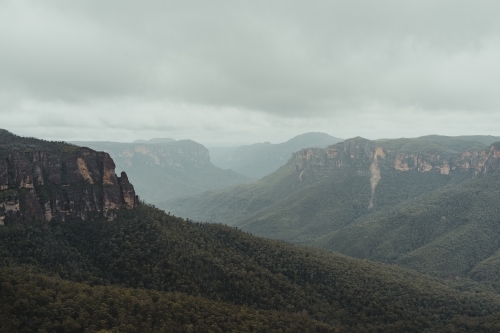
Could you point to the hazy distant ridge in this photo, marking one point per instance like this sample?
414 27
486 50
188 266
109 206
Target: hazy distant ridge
260 159
161 171
357 191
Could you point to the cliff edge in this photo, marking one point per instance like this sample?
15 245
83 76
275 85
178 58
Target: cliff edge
56 180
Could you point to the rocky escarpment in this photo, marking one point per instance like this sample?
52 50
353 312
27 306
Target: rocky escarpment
58 181
261 159
166 170
177 154
375 159
365 154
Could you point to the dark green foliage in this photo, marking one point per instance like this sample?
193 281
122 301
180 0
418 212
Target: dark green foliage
446 225
451 141
461 143
148 249
435 144
446 233
36 303
283 206
9 141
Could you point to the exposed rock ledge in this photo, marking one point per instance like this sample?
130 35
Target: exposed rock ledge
40 179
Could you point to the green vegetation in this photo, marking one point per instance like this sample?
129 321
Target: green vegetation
461 143
435 144
443 225
446 233
10 141
283 206
148 271
36 303
462 140
160 254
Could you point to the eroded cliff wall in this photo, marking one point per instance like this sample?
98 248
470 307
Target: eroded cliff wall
58 181
376 161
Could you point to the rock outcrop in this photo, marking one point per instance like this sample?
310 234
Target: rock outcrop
55 180
161 171
366 154
373 159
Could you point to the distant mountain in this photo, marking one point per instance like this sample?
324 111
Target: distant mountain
148 271
155 140
425 203
260 159
162 171
484 139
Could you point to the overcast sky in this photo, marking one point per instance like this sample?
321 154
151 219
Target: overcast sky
248 71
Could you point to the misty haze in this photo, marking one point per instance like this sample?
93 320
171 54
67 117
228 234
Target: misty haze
284 166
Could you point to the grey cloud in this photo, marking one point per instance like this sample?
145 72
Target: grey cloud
287 59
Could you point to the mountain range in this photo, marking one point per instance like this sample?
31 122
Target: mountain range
144 270
428 203
260 159
154 140
167 169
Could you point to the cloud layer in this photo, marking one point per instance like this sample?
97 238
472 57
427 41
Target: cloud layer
222 70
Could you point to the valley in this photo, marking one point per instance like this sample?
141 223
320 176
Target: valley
115 262
249 166
428 203
168 169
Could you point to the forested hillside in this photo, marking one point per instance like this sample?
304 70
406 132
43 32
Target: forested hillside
143 270
159 254
429 203
64 306
322 190
449 232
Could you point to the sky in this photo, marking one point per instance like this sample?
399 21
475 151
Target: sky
248 71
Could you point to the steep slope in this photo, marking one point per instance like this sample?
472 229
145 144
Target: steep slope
322 190
261 159
450 232
55 180
167 170
186 275
418 204
145 248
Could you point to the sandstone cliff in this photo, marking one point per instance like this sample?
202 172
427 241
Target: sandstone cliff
375 159
372 156
55 180
167 170
261 159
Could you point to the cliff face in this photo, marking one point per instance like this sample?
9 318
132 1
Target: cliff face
369 156
261 159
58 181
167 170
375 160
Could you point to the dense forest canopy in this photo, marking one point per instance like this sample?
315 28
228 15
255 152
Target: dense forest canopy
147 249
